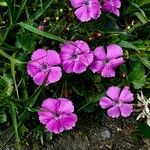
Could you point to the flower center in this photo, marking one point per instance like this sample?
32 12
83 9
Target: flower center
74 56
44 68
57 114
118 102
87 2
106 60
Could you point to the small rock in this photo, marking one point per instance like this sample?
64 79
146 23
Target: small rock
105 133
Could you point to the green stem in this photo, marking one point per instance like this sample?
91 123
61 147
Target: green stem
9 57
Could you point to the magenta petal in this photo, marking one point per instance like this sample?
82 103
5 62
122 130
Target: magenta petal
54 75
77 3
44 116
113 112
69 121
79 67
113 92
108 71
116 12
86 59
33 68
39 78
68 66
126 95
105 102
99 53
97 66
66 106
38 55
114 51
68 47
52 57
55 126
82 46
95 10
50 105
126 109
82 13
117 62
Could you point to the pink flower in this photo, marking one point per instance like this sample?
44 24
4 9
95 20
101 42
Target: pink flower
57 115
43 67
112 6
105 63
86 9
76 56
41 27
117 102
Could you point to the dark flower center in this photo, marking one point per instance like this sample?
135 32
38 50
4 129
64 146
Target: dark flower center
117 102
86 2
57 114
74 56
44 67
106 60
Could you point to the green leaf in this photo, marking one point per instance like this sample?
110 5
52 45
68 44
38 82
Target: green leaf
143 2
30 102
3 4
40 11
15 124
141 17
143 130
137 75
42 33
146 62
18 13
91 101
26 41
3 117
128 45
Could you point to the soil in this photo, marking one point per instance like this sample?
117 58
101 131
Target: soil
96 134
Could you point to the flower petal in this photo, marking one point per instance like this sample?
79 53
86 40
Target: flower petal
117 62
52 57
79 67
77 3
97 66
126 109
95 10
83 13
105 102
113 112
113 92
86 58
99 53
66 106
33 68
126 95
114 51
82 46
50 105
39 78
108 71
68 48
38 55
68 66
55 74
45 117
69 121
55 126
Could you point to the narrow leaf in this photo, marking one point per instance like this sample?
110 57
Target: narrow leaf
39 32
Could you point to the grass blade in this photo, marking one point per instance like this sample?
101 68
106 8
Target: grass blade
40 11
15 125
42 33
